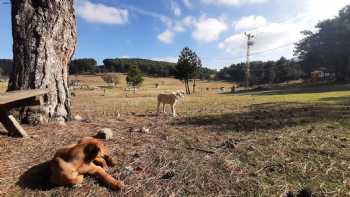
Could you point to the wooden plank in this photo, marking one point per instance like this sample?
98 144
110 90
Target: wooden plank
11 124
32 101
18 95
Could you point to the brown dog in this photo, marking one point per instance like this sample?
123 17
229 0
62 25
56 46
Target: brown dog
89 156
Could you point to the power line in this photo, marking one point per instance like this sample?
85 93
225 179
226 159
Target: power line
258 52
268 50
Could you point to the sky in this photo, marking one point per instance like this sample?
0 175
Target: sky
214 29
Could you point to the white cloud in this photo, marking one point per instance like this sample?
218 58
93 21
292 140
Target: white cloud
176 9
277 38
100 13
166 37
187 3
233 2
181 25
208 29
250 22
125 56
271 36
316 10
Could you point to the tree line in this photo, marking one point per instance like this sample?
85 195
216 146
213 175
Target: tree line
6 67
328 47
278 71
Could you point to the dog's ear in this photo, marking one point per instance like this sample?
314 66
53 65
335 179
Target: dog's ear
91 151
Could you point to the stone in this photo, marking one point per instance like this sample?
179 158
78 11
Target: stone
145 130
105 133
168 174
78 118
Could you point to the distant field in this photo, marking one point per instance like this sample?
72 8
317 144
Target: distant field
3 86
252 144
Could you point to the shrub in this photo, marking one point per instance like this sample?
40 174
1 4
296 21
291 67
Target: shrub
135 76
113 79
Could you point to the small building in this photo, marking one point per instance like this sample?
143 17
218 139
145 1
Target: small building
321 75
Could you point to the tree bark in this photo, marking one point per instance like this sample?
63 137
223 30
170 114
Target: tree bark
44 40
187 87
194 86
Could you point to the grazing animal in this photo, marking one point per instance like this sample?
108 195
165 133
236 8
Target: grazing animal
88 156
170 99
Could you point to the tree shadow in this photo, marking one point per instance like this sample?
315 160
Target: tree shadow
306 89
37 178
271 116
338 100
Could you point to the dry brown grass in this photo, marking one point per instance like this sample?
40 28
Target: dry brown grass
220 145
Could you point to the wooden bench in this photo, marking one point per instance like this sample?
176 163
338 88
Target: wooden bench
18 98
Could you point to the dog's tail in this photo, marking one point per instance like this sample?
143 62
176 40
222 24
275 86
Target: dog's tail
91 151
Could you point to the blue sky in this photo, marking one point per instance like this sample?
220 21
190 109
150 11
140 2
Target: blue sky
159 29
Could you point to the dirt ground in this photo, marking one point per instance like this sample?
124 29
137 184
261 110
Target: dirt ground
261 144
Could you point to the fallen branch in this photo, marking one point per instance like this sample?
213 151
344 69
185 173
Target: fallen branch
192 148
201 150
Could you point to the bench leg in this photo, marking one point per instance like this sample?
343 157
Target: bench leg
11 124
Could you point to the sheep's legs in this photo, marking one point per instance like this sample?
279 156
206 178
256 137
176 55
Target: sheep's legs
163 108
173 110
158 105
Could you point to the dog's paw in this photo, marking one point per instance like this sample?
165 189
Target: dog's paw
77 186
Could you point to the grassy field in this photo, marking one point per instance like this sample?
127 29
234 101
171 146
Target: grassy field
252 144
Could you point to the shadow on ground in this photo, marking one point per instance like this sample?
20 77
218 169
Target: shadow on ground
268 116
307 89
36 178
345 100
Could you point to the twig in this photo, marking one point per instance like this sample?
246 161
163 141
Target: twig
201 150
192 148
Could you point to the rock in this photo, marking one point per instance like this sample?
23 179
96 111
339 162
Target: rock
132 130
229 144
105 133
61 121
145 130
127 171
78 118
168 174
140 130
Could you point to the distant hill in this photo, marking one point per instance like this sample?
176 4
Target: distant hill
149 67
5 67
89 65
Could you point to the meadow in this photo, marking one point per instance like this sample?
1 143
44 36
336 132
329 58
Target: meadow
264 143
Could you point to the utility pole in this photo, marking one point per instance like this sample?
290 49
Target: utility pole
247 67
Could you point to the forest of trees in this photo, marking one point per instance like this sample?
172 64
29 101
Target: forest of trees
149 67
83 65
263 72
329 47
89 66
5 67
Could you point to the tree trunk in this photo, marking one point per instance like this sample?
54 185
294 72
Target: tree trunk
194 86
187 87
44 40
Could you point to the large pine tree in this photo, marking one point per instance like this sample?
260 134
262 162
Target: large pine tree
44 40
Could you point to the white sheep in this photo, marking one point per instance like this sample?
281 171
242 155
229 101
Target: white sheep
170 99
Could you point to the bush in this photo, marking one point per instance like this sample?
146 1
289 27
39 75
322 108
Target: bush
114 79
135 76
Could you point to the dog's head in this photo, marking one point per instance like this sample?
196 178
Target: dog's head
180 94
102 150
91 151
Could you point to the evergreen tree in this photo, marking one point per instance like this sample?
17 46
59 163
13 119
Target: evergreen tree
187 67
